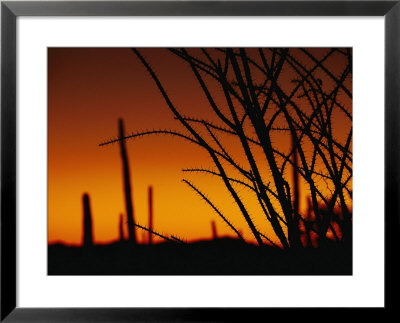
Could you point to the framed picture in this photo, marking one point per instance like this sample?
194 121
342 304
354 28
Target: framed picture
199 154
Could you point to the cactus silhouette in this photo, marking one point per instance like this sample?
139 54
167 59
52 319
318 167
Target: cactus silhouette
121 228
308 222
214 230
296 192
150 195
87 222
127 185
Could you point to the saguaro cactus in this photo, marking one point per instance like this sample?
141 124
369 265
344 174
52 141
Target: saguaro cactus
214 230
87 222
309 222
127 185
296 197
121 228
150 195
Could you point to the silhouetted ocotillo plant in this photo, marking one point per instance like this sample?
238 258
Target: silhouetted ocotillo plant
87 222
171 238
127 185
268 92
150 196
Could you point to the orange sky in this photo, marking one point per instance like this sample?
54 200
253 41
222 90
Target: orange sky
88 90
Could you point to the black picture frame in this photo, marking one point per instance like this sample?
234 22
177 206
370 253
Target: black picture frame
10 10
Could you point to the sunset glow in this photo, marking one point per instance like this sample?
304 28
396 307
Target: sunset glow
89 89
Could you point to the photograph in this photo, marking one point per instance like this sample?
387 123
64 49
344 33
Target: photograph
199 161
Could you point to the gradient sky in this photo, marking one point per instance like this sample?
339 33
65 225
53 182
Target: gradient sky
88 90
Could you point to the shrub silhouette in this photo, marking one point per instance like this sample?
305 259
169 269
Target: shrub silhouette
269 91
